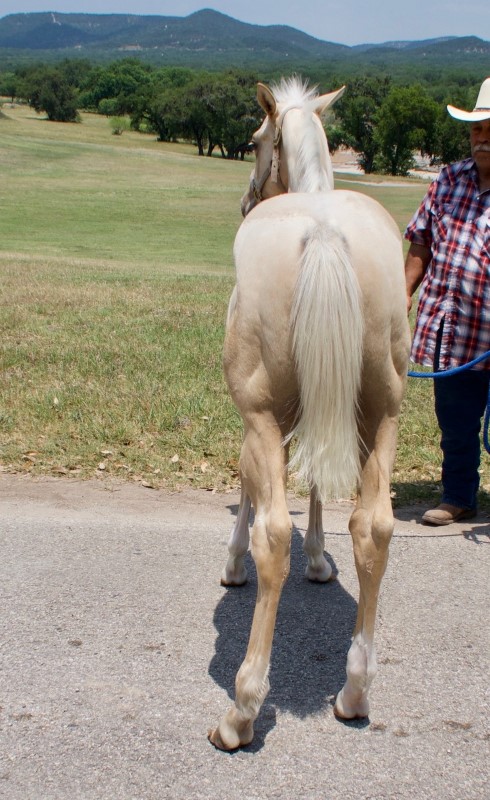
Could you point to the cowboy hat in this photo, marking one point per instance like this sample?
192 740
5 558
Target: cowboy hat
482 109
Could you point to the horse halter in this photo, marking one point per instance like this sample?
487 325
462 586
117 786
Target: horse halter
272 171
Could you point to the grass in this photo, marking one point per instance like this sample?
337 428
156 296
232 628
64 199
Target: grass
76 191
115 273
116 375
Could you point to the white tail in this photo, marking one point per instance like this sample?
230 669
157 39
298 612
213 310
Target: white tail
327 328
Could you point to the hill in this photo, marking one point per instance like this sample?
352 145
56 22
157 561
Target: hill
209 39
204 32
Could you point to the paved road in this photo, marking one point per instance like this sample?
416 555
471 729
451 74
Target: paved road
119 649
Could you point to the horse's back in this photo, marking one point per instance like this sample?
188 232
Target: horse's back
360 219
271 239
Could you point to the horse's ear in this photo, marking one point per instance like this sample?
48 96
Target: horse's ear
327 100
266 99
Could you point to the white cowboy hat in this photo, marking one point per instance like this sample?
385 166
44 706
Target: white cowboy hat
482 109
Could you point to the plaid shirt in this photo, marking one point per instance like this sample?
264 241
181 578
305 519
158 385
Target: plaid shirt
454 221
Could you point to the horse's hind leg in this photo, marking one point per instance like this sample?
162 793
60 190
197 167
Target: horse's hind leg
263 467
235 573
318 569
371 526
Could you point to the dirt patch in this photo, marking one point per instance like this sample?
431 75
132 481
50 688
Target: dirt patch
346 161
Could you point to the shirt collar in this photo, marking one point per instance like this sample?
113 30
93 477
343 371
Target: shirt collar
468 166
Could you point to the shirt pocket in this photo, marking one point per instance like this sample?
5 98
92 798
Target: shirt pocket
442 221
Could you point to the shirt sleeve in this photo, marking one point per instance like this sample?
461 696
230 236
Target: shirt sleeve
419 229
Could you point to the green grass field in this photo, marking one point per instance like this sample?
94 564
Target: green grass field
115 273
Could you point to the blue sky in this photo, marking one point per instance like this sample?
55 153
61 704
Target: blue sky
343 21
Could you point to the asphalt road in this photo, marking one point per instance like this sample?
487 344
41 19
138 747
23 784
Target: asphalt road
118 650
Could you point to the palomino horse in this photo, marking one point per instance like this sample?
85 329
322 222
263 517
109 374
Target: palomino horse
316 348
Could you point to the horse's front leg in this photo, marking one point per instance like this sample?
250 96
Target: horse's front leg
318 569
235 572
264 472
371 526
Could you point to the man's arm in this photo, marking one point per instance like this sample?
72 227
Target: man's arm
418 259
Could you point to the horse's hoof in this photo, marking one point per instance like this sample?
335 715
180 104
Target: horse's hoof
321 574
341 716
215 739
237 577
232 732
346 712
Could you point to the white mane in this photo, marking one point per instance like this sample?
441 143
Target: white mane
293 92
313 172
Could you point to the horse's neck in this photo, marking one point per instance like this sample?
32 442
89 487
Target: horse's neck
311 167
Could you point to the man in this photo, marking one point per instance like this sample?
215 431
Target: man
449 257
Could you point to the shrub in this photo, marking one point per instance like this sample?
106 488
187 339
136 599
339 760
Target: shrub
119 125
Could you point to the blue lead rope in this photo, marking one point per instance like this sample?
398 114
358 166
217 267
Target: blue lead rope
447 373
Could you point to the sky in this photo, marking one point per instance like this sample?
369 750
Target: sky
343 21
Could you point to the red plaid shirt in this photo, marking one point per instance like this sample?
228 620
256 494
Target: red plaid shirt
454 221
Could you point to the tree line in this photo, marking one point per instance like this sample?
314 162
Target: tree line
383 121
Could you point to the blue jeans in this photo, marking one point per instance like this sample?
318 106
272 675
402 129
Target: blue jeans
460 403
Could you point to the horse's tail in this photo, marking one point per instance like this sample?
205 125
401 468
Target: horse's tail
327 327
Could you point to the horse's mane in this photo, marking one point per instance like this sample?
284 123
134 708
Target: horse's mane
294 92
311 173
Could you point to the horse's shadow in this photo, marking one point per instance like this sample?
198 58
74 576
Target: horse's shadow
312 636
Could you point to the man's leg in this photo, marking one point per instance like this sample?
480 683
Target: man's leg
460 402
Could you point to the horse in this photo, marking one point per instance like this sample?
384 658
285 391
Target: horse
316 351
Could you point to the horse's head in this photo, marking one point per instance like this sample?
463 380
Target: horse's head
291 149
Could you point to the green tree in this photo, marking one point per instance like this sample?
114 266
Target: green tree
49 91
233 113
357 113
154 111
75 71
9 85
335 137
193 104
210 109
452 139
452 136
119 82
158 105
109 106
405 122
